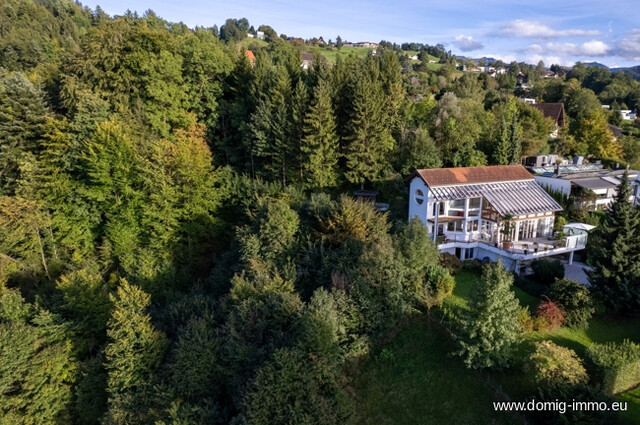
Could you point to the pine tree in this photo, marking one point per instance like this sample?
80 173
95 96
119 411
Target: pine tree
134 352
369 139
22 115
271 128
36 363
490 328
501 153
320 143
615 254
515 142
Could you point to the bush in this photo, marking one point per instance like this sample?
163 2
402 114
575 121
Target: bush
439 285
547 271
525 320
556 365
575 300
579 393
529 286
472 265
617 366
451 262
551 312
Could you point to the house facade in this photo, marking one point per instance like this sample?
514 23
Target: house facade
493 212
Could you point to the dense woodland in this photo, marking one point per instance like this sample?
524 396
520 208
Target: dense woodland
178 239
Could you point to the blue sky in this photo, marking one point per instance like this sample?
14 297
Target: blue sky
555 31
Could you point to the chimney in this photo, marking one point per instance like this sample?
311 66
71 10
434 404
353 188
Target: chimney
557 169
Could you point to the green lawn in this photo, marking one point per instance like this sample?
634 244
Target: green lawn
415 380
600 330
466 279
245 43
331 55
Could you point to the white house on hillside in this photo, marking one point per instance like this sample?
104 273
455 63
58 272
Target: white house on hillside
496 212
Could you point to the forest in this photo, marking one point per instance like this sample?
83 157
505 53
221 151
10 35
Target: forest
179 243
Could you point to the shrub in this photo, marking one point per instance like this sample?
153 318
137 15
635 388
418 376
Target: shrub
472 265
617 366
529 286
540 324
439 285
575 300
551 312
547 271
556 365
525 320
579 393
451 262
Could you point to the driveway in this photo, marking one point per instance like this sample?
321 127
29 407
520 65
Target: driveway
575 272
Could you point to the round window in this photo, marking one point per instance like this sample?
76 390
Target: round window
419 197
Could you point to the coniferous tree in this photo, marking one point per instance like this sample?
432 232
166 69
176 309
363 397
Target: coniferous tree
36 363
615 255
22 116
134 352
369 139
489 330
501 153
320 142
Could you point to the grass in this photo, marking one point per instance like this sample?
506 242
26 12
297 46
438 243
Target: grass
415 380
600 330
332 55
246 42
462 291
632 414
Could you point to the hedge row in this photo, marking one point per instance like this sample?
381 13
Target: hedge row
618 365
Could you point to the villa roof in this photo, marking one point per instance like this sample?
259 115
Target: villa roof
513 197
555 111
472 175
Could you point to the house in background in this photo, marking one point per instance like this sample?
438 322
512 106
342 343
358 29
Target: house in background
493 212
555 111
575 179
627 114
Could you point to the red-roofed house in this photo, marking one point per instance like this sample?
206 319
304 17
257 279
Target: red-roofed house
252 58
494 212
555 111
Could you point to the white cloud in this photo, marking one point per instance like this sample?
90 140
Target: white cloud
466 43
629 46
589 48
534 29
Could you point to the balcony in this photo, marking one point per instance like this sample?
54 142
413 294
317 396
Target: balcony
524 249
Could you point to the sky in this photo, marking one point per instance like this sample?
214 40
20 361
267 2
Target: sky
554 31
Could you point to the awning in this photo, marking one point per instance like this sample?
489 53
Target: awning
580 226
516 198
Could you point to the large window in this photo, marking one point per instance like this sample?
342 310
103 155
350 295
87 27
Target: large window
457 204
455 226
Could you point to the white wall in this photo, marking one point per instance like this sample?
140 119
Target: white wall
556 184
416 209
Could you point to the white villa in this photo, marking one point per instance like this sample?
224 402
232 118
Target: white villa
493 212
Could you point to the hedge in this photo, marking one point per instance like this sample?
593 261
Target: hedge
617 365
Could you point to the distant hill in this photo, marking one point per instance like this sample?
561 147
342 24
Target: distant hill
632 71
596 64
